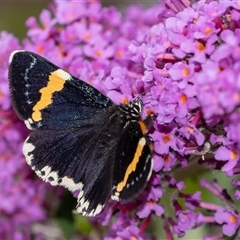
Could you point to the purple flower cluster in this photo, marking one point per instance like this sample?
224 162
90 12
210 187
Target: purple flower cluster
185 58
21 194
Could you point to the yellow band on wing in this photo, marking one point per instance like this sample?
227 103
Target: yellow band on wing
143 127
132 166
55 84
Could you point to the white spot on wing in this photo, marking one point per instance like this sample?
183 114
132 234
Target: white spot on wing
115 197
63 74
70 184
97 210
30 120
83 205
28 123
80 195
142 142
54 176
27 149
65 181
46 173
151 167
12 55
91 213
46 170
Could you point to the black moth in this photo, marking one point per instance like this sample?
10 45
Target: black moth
79 138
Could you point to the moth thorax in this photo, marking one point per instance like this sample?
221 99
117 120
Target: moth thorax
132 110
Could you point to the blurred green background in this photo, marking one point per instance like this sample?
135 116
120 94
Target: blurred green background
14 13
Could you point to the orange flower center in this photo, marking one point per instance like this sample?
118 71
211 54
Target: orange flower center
87 36
183 98
134 238
185 72
70 36
151 201
190 129
99 53
233 155
120 53
166 158
124 100
149 111
166 138
208 30
40 49
233 219
200 46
